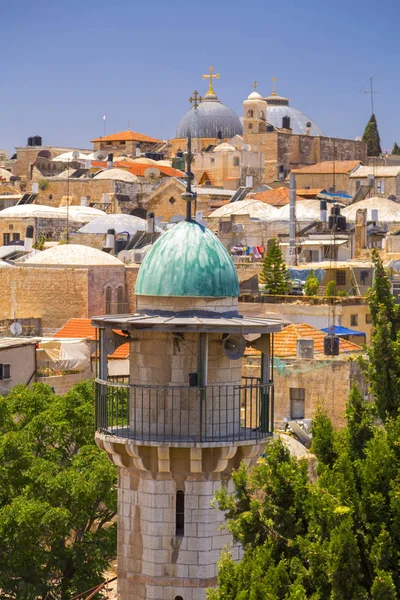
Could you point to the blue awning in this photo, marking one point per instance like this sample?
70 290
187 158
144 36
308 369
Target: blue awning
337 330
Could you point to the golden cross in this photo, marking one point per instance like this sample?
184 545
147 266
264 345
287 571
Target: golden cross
255 84
195 99
211 77
274 87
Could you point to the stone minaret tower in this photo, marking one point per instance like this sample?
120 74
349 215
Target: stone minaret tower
185 417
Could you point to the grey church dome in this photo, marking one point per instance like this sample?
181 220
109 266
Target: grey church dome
211 119
278 107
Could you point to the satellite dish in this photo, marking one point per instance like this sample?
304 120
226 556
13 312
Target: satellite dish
246 147
234 346
100 155
152 173
75 155
4 155
112 341
16 328
396 266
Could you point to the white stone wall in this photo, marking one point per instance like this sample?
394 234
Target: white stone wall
154 563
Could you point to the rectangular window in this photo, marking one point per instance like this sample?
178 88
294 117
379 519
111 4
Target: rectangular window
180 514
353 320
236 161
368 319
358 184
297 403
340 277
380 187
15 237
6 239
5 371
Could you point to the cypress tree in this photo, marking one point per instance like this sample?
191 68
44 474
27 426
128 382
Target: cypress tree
371 137
274 273
396 149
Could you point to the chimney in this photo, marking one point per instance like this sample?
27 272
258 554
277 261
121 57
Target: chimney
110 239
323 211
308 127
28 242
110 159
292 222
360 232
150 222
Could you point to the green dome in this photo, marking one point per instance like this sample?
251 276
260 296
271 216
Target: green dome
188 260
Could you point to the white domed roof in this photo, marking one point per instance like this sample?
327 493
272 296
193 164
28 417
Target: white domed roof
120 223
145 161
388 210
224 147
254 208
31 210
255 96
306 210
65 255
119 174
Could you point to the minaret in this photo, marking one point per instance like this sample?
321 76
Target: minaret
185 417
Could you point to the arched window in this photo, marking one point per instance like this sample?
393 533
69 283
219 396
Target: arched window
108 300
261 114
121 301
250 114
178 598
180 513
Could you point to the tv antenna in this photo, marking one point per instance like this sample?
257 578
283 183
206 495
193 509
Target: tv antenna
370 91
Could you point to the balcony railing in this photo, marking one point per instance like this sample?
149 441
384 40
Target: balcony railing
215 413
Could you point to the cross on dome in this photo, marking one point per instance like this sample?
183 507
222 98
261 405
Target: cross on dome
211 76
255 85
274 86
195 99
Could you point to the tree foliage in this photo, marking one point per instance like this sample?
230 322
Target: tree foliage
336 537
371 137
57 494
383 367
274 272
311 284
396 149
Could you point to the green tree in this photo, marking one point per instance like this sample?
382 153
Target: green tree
383 366
274 273
396 149
311 285
57 495
371 137
331 289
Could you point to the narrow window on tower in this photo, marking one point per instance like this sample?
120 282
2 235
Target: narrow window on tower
180 514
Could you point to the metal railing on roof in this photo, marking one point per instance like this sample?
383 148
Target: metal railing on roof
189 414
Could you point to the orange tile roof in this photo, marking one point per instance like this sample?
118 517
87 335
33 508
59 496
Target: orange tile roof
127 136
308 192
285 342
276 197
139 168
328 167
81 328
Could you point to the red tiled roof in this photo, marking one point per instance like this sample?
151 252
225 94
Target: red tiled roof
328 167
139 168
81 328
276 197
127 136
285 342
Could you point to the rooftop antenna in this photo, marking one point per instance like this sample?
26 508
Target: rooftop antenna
371 91
188 195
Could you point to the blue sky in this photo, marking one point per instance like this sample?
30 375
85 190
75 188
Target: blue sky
66 64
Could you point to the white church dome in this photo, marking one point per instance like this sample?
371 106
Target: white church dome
68 255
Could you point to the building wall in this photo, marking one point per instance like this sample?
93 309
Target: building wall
391 186
326 383
49 229
324 181
55 295
198 144
64 382
26 156
124 148
23 366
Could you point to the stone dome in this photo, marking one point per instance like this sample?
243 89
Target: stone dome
254 96
120 222
224 147
189 260
278 107
119 174
65 255
211 119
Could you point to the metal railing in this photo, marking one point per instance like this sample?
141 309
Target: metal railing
215 413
